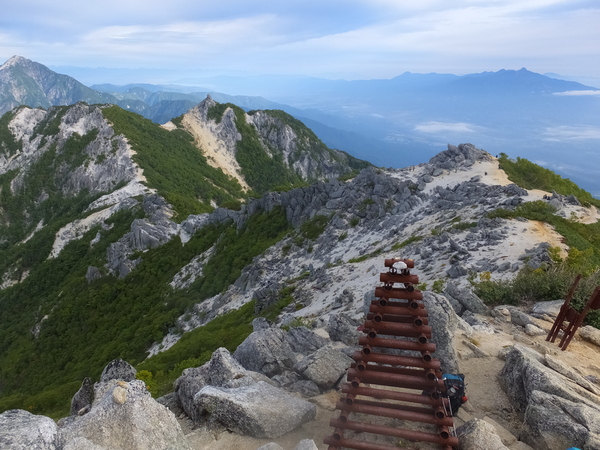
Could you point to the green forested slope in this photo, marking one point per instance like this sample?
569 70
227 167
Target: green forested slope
55 326
529 175
173 165
91 324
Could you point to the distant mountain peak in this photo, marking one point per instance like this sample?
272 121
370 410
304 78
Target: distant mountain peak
16 60
26 82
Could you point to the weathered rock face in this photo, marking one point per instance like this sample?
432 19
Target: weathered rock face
125 417
305 154
559 413
186 387
324 367
108 156
342 328
304 341
21 430
465 298
477 434
461 156
216 139
221 371
83 398
286 139
266 351
443 316
118 370
258 410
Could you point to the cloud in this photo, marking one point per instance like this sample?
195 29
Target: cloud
570 133
578 93
337 38
444 127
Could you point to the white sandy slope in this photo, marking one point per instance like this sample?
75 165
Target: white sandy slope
110 203
217 153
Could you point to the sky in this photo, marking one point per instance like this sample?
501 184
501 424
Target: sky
338 39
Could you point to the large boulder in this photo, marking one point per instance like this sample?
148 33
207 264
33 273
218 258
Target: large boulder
304 341
444 321
258 410
223 368
342 328
520 318
559 413
118 370
477 434
466 298
186 387
324 367
590 334
21 430
548 309
124 416
266 351
559 423
83 398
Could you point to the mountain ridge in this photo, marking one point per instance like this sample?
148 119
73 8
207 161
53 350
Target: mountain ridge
118 239
392 123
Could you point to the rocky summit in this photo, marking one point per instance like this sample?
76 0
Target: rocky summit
165 260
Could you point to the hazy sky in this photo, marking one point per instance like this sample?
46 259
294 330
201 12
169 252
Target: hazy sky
331 38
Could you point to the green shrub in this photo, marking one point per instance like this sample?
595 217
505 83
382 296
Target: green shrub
463 225
410 240
216 111
366 256
438 286
313 228
348 176
542 284
528 175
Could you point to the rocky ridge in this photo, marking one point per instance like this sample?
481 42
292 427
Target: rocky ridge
438 220
433 213
106 171
280 135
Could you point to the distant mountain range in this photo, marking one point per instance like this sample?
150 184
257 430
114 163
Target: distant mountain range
551 121
391 123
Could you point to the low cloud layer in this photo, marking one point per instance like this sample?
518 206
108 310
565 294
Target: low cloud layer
445 127
578 93
569 133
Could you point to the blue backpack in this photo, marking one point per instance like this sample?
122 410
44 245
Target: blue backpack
455 390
